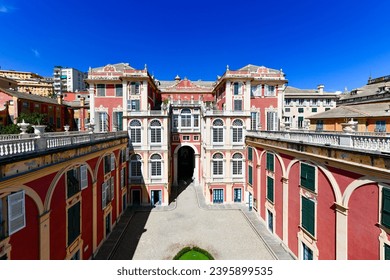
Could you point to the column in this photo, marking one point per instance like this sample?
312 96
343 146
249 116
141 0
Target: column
341 232
175 169
44 236
285 210
196 169
94 217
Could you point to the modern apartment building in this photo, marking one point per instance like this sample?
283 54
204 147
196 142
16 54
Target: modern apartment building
68 80
299 104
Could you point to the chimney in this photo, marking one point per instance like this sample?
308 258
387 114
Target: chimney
320 89
59 99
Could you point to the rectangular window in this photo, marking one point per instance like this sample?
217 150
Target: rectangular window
236 88
314 110
185 120
196 120
16 212
217 135
237 105
156 168
270 189
103 122
107 164
300 110
72 182
380 126
387 252
307 252
250 154
135 169
385 207
272 121
307 177
270 91
254 120
308 216
117 118
300 122
186 138
237 135
134 105
134 88
320 125
287 110
105 193
270 162
123 172
83 177
250 175
73 223
175 121
101 90
119 90
196 138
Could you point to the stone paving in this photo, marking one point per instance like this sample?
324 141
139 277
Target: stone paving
227 231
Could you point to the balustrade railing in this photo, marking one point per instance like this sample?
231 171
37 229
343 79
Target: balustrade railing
23 144
358 141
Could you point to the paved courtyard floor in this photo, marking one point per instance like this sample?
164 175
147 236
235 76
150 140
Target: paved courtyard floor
225 231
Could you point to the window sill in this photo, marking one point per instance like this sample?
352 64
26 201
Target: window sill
307 233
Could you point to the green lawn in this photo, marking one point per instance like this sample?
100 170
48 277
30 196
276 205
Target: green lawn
193 255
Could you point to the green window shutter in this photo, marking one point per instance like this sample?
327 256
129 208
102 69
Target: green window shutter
308 215
387 252
270 189
250 156
308 176
250 174
270 162
73 223
386 207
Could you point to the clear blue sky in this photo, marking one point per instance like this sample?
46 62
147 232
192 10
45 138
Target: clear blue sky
336 43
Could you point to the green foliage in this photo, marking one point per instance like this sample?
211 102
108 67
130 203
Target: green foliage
33 118
194 253
9 129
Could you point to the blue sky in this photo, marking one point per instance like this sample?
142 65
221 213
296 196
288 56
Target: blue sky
335 43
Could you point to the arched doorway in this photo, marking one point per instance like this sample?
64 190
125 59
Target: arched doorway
185 163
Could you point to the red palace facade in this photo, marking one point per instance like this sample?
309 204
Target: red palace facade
60 194
325 196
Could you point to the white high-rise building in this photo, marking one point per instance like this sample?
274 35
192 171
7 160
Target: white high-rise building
68 80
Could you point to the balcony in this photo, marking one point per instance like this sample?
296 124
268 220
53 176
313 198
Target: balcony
147 113
27 144
226 113
356 141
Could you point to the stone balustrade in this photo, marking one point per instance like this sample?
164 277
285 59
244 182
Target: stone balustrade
380 143
17 145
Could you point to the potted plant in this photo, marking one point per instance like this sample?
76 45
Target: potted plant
36 120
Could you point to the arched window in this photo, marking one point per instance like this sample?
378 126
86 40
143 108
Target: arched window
218 164
155 131
135 166
218 131
156 165
237 131
135 131
185 118
237 164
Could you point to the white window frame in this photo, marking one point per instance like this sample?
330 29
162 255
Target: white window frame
156 163
218 132
135 131
237 128
16 212
135 159
155 129
218 165
237 160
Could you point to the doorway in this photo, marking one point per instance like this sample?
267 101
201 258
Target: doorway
155 197
185 163
136 194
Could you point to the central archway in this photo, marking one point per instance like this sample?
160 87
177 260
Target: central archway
185 163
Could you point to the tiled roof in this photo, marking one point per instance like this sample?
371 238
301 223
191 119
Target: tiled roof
120 67
185 86
355 111
296 92
27 96
367 90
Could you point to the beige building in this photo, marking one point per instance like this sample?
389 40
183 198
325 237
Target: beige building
299 104
29 82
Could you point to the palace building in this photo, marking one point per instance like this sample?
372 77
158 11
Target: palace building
185 130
